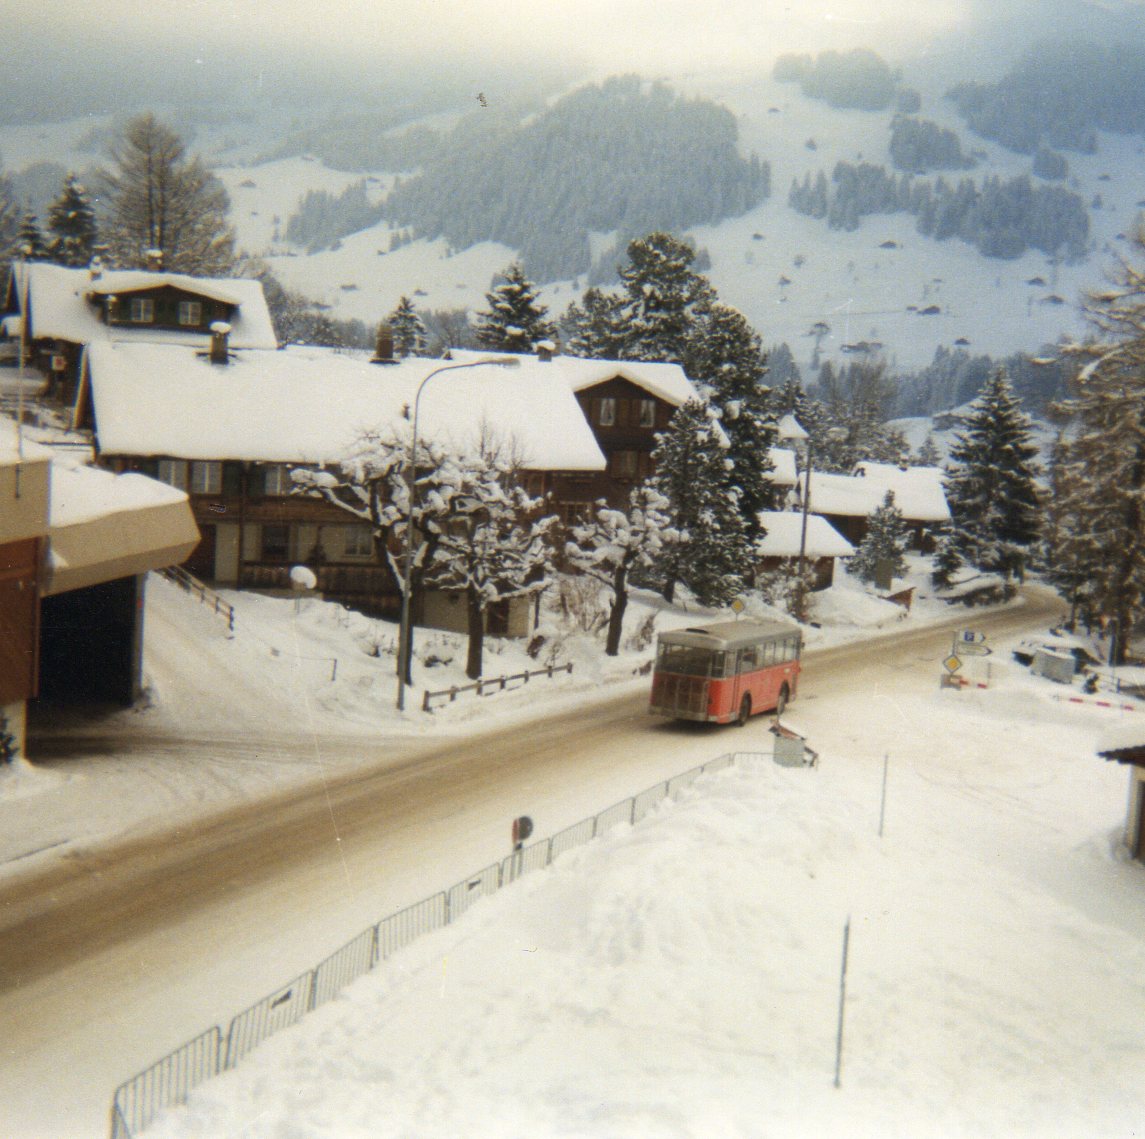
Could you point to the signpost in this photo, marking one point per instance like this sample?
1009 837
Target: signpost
964 643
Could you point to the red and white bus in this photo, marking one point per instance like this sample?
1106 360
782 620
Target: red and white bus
726 671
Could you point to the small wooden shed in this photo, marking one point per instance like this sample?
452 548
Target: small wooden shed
1127 746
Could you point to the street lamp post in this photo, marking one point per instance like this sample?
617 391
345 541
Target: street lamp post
404 629
799 584
835 434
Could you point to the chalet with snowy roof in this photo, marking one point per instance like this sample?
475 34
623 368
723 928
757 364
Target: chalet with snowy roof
625 403
229 428
54 313
1126 745
784 471
847 501
75 545
821 545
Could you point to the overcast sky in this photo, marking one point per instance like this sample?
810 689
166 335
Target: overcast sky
56 45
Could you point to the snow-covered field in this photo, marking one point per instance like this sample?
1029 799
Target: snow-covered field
681 978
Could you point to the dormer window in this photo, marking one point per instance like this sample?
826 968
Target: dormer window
647 413
190 314
606 412
141 310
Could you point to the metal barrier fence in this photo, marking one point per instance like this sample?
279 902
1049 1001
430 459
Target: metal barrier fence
177 575
492 684
169 1081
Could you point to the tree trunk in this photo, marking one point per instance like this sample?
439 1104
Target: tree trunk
616 613
476 617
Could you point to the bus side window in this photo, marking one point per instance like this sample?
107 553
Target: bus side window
747 659
768 653
783 650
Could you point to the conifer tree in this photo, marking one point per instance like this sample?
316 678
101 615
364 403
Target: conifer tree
515 320
664 296
928 453
991 483
9 216
30 243
614 544
724 355
597 327
72 225
693 472
1102 501
408 329
1071 563
162 202
884 545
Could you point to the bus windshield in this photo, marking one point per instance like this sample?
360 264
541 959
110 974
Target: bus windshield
691 660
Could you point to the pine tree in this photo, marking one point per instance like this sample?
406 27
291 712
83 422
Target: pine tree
597 327
884 545
1071 563
71 222
724 355
1102 500
991 483
664 297
408 329
160 202
928 453
515 320
9 214
694 474
614 544
30 243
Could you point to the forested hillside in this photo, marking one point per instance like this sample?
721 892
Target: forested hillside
622 157
999 218
1060 95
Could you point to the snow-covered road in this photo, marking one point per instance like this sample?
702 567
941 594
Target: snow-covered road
184 932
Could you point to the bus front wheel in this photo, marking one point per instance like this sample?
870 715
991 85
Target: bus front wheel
744 711
781 704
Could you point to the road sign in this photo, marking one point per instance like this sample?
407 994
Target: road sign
952 663
975 650
971 637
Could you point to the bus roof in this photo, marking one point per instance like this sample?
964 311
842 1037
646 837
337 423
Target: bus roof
728 634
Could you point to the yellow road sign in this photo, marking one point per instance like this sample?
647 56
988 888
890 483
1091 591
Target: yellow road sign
952 663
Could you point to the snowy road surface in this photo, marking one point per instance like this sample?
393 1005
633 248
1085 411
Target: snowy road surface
116 957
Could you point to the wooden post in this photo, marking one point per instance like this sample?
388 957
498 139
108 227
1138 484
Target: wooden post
842 1003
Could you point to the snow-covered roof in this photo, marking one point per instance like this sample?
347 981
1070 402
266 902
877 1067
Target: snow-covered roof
13 449
308 405
784 534
118 281
918 491
783 461
57 299
82 493
919 499
668 381
790 428
105 526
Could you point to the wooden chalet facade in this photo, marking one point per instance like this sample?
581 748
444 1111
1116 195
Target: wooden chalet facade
182 380
54 313
625 404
